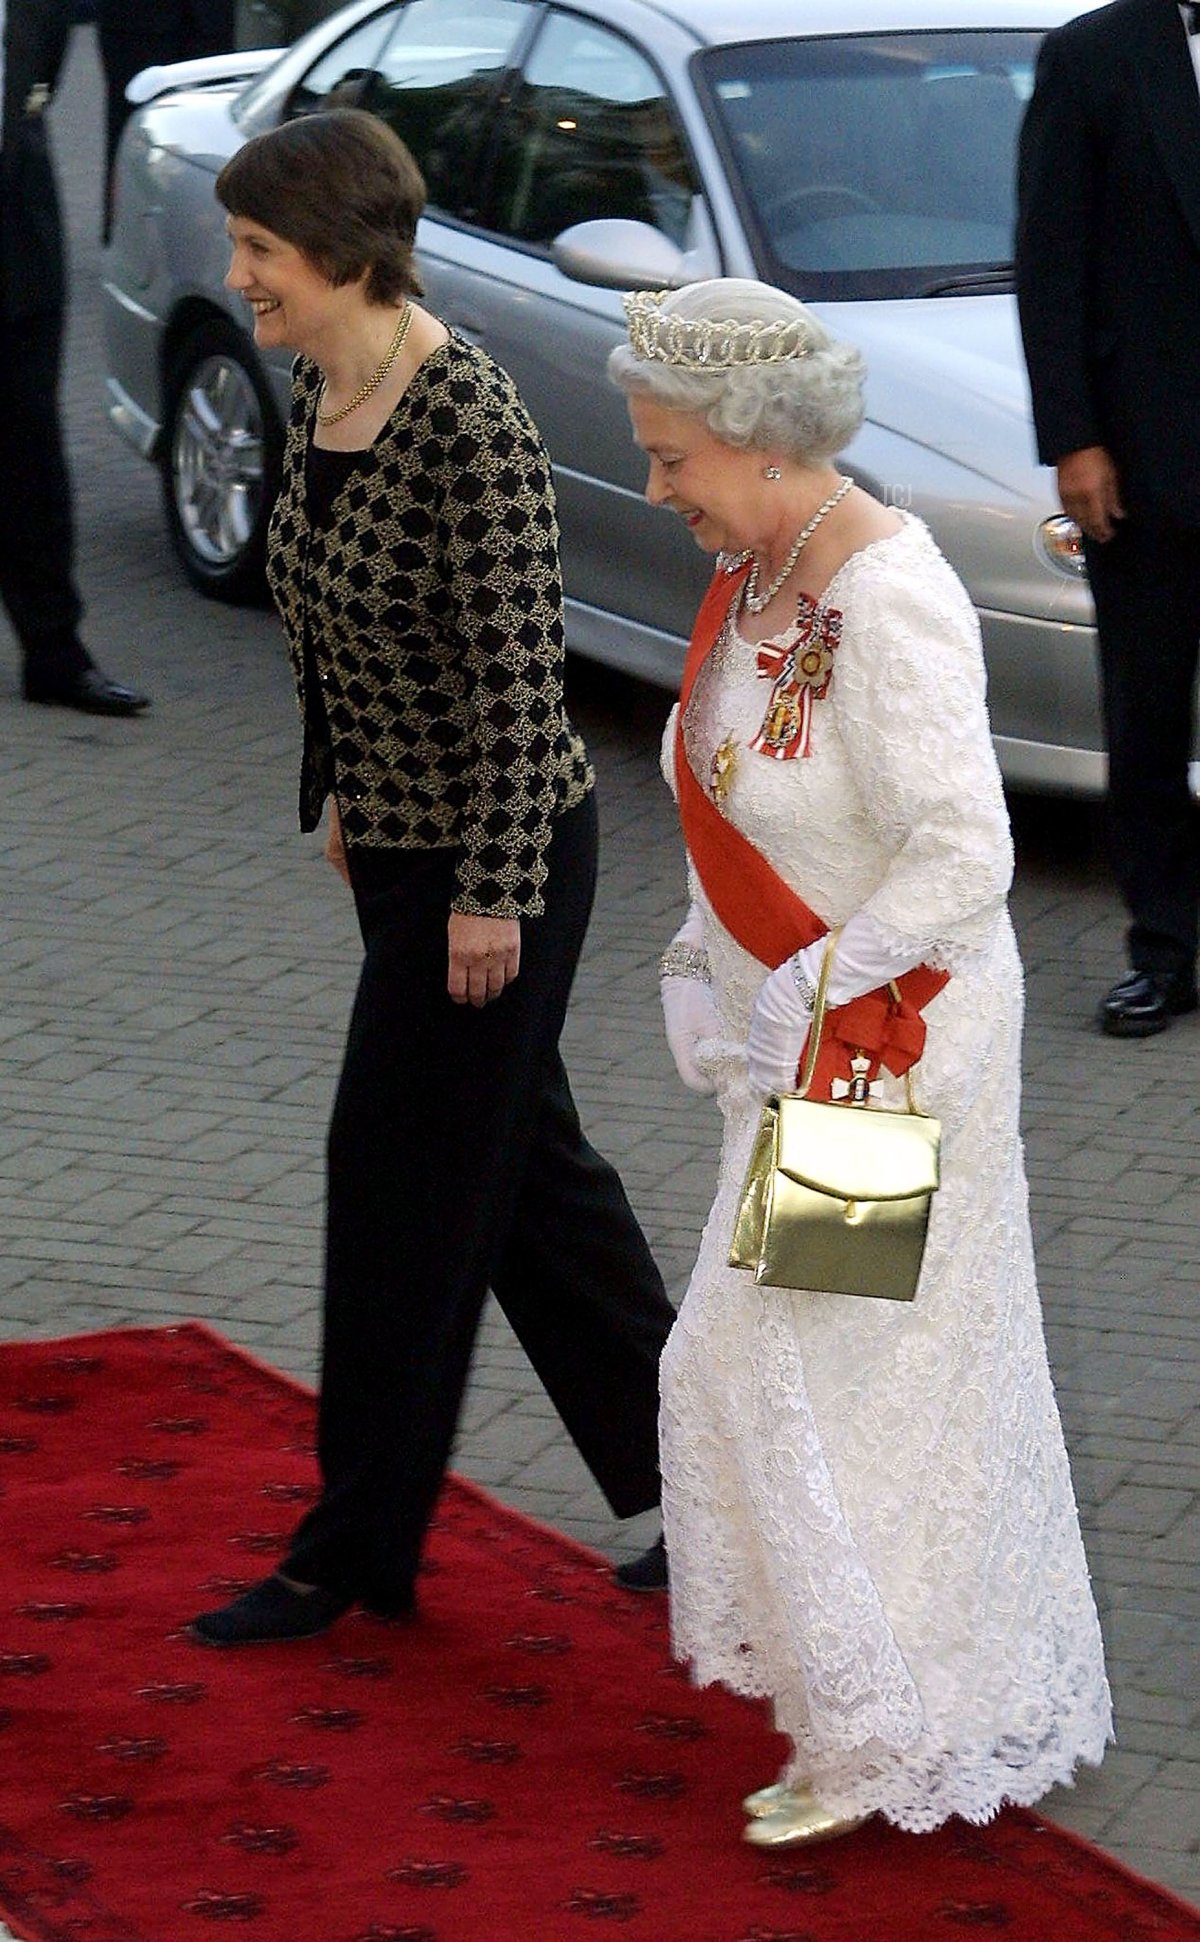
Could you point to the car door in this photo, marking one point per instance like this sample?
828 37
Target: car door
527 120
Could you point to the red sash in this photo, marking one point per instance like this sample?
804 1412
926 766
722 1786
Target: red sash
767 918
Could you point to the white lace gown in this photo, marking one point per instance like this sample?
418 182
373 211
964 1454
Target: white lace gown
867 1504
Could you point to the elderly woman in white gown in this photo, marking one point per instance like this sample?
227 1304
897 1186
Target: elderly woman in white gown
868 1507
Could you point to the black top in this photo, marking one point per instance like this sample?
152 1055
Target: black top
325 473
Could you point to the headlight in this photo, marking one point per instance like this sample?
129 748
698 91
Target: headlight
1060 544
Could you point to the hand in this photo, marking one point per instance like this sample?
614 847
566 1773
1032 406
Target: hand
863 958
485 955
690 1016
1090 491
335 848
778 1033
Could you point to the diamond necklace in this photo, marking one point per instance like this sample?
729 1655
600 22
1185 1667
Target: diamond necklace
756 602
376 378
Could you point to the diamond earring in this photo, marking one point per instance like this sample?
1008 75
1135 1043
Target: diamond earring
772 472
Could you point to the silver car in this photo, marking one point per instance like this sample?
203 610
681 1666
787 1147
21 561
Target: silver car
859 153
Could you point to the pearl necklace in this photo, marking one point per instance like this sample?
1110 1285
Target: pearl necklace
376 378
756 602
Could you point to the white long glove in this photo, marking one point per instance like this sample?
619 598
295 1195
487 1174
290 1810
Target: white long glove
863 960
779 1027
689 1012
778 1033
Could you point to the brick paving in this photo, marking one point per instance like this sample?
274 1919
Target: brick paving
176 965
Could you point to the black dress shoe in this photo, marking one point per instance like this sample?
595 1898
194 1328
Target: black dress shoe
394 1609
88 689
271 1613
647 1573
1145 1002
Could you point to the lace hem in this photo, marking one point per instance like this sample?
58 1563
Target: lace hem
917 1788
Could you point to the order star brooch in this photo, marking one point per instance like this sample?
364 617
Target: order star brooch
800 673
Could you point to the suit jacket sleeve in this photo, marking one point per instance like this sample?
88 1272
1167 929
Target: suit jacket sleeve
1057 196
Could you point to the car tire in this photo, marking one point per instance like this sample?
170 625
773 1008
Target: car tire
219 462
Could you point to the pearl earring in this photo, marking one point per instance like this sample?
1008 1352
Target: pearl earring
772 472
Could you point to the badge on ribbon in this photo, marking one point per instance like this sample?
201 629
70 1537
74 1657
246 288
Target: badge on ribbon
800 673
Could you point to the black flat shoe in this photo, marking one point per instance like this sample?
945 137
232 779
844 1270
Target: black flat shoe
88 689
1145 1002
270 1614
647 1573
392 1610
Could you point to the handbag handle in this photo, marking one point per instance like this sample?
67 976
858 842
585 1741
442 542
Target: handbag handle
812 1049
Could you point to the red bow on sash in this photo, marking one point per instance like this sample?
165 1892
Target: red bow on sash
766 917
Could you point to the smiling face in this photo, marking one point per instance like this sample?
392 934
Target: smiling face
294 306
716 489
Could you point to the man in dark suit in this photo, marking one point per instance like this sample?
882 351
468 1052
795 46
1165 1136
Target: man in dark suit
146 33
37 539
1108 283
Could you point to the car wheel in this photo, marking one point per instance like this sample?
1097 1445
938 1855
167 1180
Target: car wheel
220 461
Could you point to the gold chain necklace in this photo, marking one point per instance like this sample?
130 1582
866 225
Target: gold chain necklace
757 602
376 378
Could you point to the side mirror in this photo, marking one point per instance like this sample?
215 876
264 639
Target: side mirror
618 254
149 82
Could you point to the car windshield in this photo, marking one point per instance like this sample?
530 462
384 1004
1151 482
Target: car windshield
877 165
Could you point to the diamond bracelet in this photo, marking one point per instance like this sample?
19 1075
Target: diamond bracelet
685 961
806 988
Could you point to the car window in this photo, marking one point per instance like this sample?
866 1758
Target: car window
589 132
874 165
435 84
338 78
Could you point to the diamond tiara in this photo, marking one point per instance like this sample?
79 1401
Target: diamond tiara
703 343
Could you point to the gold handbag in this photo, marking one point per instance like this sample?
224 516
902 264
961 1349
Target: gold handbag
837 1194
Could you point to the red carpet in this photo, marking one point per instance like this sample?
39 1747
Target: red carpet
521 1764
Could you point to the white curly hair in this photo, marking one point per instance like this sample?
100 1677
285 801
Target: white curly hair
807 406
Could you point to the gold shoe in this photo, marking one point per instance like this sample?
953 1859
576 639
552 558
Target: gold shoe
767 1800
801 1819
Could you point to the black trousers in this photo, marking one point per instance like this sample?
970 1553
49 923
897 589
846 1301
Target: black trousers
1146 585
456 1161
37 530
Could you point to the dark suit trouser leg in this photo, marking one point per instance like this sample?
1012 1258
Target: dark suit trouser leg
445 1121
184 32
1146 585
122 56
37 532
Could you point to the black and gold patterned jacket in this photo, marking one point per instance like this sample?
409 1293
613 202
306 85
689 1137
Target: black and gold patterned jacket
432 606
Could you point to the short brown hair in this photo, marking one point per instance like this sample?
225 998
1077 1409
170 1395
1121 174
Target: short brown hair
342 188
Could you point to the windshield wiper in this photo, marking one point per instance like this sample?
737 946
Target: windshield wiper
997 276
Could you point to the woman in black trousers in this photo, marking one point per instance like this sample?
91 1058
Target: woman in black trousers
456 1162
414 562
